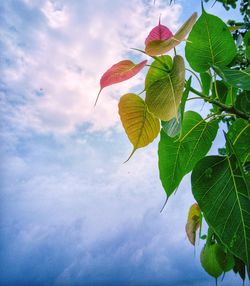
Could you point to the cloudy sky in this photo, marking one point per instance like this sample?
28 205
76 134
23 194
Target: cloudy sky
70 212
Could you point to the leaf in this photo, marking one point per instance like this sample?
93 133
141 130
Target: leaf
206 80
246 40
194 212
159 47
120 72
140 125
160 32
173 127
243 102
232 92
185 96
236 78
177 157
164 90
221 189
221 89
239 134
193 222
240 268
209 43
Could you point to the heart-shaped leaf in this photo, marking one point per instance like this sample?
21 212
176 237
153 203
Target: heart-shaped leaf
120 72
236 78
141 126
221 188
178 156
209 43
164 89
173 127
159 47
239 134
160 32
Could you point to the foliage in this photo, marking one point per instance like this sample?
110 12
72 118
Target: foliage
220 183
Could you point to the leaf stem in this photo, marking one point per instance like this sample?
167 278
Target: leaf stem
215 87
196 76
230 109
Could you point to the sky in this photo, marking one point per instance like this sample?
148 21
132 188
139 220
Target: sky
71 213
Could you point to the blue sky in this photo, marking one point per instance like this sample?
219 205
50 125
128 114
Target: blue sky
70 212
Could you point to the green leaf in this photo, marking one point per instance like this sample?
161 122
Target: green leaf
220 88
243 102
177 157
141 126
209 43
185 96
236 78
158 69
221 189
164 90
239 134
232 92
206 81
173 127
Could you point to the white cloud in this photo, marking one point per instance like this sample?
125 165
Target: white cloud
69 54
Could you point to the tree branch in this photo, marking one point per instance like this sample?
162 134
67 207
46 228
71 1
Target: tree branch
223 107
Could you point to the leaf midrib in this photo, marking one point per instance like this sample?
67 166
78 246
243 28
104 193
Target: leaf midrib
239 204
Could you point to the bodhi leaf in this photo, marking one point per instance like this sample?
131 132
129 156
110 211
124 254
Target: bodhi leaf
141 126
120 72
236 78
160 32
164 89
177 157
159 47
209 43
173 127
239 134
243 102
221 188
247 44
220 92
193 222
206 80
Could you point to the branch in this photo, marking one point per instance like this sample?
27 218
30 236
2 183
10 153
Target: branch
223 107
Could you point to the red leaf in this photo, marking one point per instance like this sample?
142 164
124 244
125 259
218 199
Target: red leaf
120 72
160 32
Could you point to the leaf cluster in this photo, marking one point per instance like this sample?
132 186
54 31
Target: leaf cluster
220 183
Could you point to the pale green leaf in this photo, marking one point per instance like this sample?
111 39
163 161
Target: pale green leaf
164 90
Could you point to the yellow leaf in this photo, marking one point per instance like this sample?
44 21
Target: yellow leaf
141 126
193 222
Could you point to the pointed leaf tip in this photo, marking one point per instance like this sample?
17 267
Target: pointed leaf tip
119 72
160 32
158 46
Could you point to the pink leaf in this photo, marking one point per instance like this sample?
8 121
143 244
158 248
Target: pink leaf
160 32
120 72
